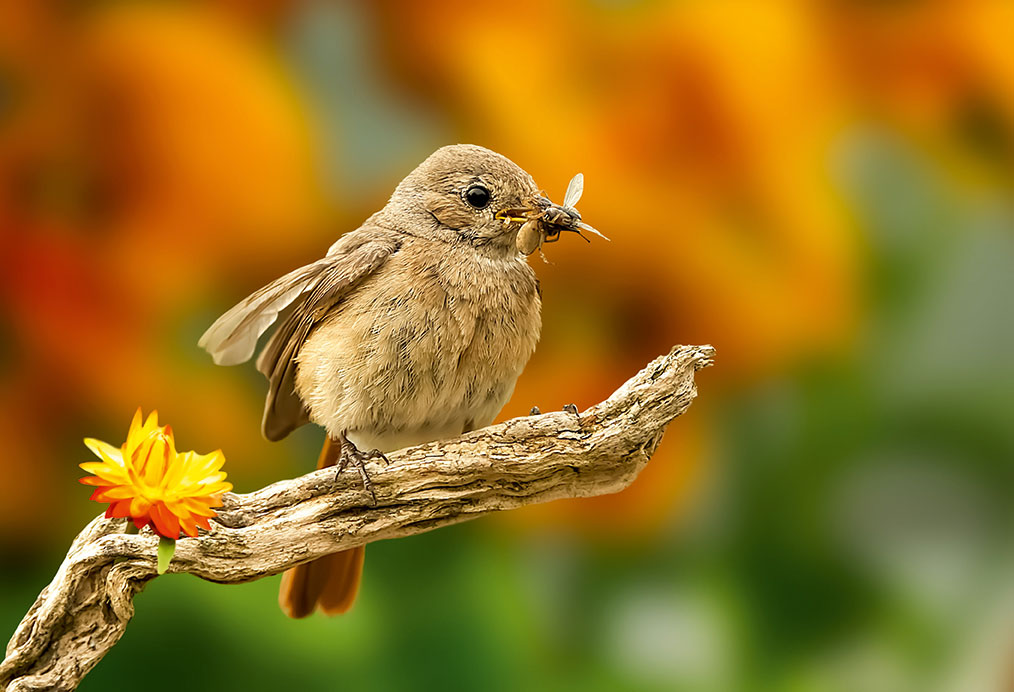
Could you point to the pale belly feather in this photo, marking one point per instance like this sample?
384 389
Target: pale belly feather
412 358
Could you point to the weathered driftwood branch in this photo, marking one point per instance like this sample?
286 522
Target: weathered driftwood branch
85 609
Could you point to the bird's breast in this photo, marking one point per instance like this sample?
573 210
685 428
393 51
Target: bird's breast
435 342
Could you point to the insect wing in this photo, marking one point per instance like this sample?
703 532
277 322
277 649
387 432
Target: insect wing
585 227
574 191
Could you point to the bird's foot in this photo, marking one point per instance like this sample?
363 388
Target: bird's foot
535 411
351 455
572 410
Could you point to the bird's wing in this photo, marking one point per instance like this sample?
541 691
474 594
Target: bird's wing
311 291
341 273
233 337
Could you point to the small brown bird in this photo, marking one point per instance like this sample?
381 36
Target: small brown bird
414 327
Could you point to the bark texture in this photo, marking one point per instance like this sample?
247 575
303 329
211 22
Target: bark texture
82 613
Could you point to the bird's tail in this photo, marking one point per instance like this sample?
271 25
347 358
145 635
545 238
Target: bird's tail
331 582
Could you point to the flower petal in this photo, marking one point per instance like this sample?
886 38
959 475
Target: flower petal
120 492
134 432
103 471
189 526
167 523
103 450
119 509
99 494
139 507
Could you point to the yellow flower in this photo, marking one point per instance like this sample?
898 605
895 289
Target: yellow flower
149 481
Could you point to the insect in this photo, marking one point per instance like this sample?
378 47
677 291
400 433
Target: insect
545 223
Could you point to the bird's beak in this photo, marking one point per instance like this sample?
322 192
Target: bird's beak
534 208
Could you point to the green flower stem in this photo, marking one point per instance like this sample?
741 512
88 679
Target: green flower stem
166 550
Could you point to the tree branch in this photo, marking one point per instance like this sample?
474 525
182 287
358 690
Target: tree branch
85 609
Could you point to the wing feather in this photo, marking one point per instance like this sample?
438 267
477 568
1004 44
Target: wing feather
233 337
310 291
283 409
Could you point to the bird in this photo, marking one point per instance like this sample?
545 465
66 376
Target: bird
413 327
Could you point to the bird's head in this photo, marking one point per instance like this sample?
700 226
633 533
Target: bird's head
464 192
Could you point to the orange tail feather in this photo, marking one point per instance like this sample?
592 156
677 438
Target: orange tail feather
330 582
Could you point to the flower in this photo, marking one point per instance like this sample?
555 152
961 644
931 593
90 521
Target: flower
150 482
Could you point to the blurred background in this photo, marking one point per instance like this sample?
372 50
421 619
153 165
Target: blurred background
822 190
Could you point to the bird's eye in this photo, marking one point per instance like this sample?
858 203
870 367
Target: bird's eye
477 196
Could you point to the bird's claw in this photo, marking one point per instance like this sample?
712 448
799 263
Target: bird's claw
572 410
535 411
350 454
